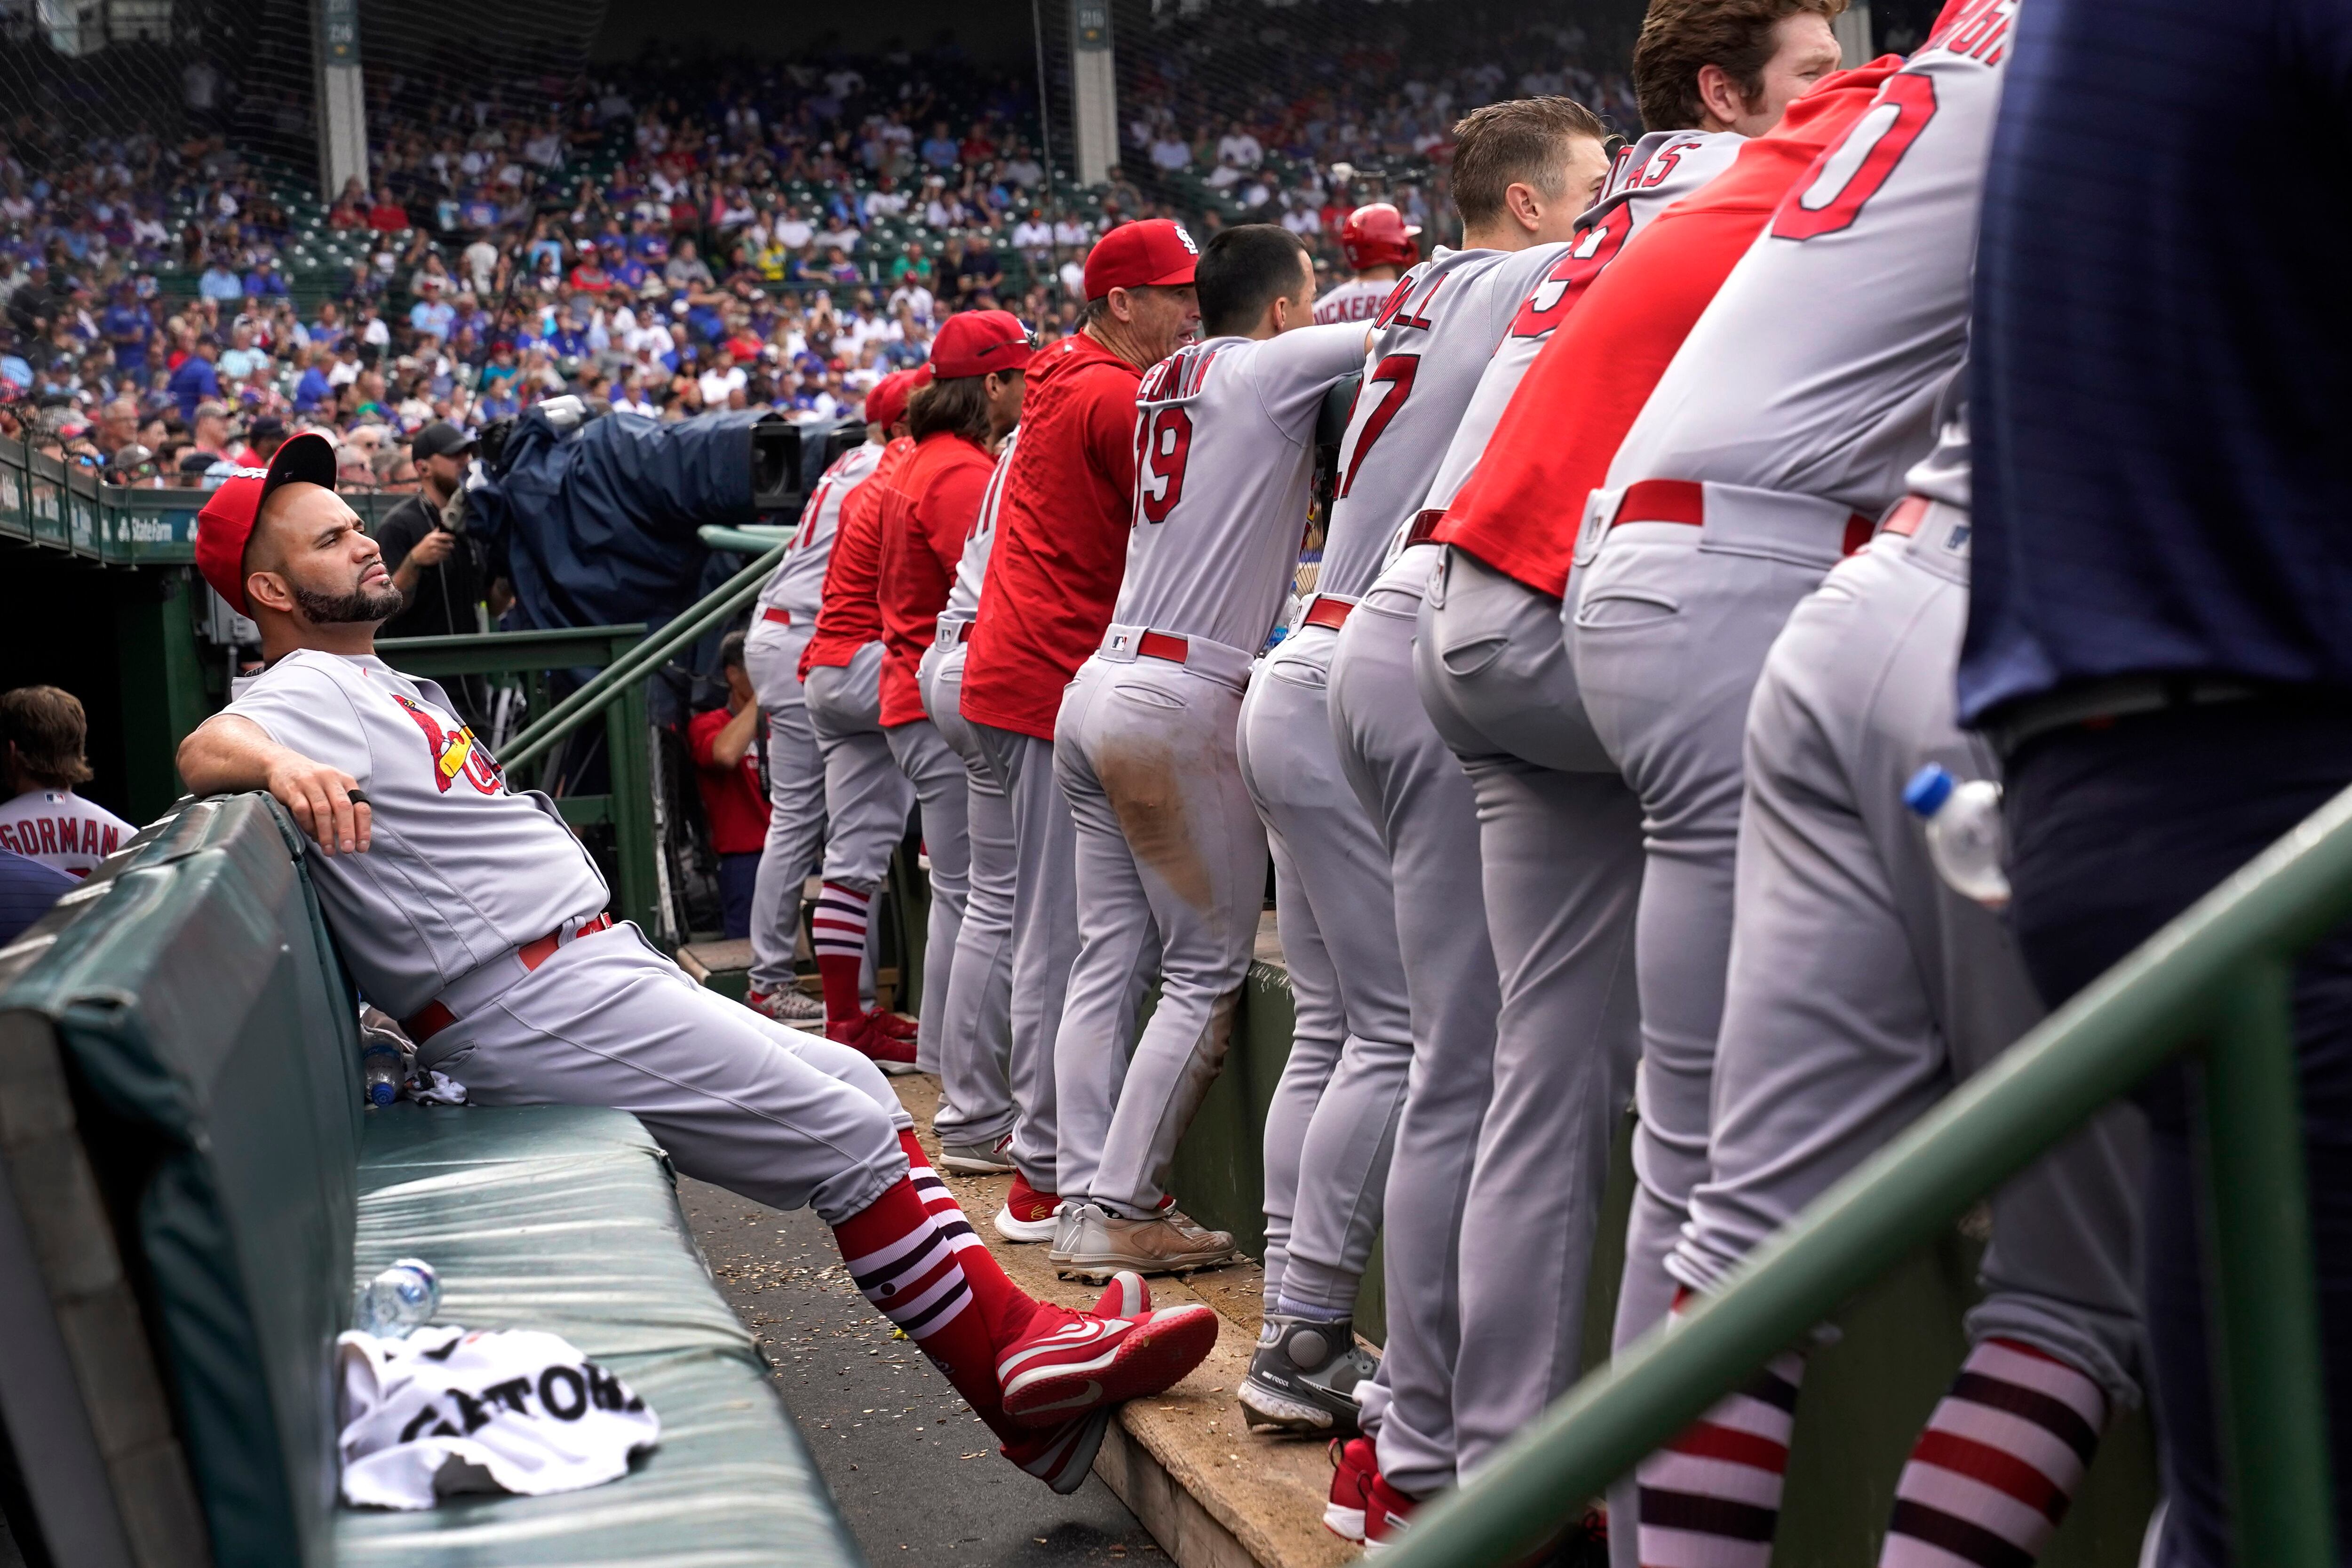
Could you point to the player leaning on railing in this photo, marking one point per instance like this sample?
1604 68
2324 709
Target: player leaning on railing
473 913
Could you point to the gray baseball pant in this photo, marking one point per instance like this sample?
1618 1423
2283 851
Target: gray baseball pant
771 656
1330 1127
1667 638
1420 798
784 1118
975 1095
937 773
1561 857
866 796
1167 840
1045 936
1861 988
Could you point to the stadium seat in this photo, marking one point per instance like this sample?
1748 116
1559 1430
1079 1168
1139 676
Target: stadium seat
200 1192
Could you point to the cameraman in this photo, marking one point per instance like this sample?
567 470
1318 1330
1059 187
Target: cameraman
440 572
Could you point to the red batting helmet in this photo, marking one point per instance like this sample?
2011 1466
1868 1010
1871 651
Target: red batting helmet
1377 236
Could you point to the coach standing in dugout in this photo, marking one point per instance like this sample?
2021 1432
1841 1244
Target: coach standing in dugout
1052 579
2159 642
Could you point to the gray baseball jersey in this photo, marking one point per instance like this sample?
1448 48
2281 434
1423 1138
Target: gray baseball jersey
1357 299
1430 346
972 566
1649 176
1224 439
461 870
797 585
1817 368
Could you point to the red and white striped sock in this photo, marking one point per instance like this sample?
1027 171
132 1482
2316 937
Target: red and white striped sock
951 1298
1711 1499
939 1203
837 937
2001 1459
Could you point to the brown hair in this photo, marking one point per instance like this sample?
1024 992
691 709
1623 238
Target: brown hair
1678 36
1522 140
960 405
48 728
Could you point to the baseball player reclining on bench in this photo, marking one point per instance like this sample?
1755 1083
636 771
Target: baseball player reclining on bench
474 914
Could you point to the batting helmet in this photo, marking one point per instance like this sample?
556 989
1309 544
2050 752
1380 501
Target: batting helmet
1377 236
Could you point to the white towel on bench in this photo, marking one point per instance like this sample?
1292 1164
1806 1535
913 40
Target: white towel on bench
445 1411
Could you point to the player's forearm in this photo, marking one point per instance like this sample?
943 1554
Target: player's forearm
225 754
734 738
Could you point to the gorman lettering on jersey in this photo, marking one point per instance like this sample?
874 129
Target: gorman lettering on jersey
455 754
60 836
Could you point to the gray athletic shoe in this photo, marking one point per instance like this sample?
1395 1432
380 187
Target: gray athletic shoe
978 1159
1303 1377
792 1007
1094 1244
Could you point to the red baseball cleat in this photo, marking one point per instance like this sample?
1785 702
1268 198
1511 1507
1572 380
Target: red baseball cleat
1068 1363
891 1054
1353 1465
1387 1511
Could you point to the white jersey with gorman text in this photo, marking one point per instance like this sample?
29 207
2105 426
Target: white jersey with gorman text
1819 368
61 830
460 871
972 566
1430 344
797 585
1357 299
1225 435
1649 176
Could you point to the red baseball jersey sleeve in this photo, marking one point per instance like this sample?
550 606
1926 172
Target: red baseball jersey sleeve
851 614
933 503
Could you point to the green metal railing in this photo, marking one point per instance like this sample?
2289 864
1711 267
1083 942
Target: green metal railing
2217 981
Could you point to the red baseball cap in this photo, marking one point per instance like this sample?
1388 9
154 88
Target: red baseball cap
1154 254
974 342
886 404
228 518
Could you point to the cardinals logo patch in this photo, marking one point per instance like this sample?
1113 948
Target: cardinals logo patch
455 752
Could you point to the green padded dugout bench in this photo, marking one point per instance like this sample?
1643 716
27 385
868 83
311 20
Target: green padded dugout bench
190 1192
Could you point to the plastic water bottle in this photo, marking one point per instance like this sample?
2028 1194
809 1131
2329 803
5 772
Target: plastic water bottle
1964 833
384 1069
399 1300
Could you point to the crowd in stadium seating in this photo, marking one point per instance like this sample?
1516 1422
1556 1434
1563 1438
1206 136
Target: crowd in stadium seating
676 238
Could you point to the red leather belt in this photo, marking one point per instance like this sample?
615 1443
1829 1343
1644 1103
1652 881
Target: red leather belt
1160 644
1908 514
1322 611
434 1018
782 617
1684 501
1425 527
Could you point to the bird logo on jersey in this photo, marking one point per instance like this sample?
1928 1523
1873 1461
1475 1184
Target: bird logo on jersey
455 753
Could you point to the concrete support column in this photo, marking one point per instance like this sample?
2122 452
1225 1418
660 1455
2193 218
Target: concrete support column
1093 91
341 95
1853 34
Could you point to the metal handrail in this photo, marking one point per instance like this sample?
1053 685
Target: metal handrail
2218 977
608 683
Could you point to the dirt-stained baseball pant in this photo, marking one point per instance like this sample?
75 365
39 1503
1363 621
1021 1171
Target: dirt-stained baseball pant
867 797
975 1094
782 1117
1420 798
1861 988
771 656
1045 936
937 773
1667 636
1167 840
1330 1127
1560 859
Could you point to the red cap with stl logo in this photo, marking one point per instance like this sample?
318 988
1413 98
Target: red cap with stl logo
1154 254
974 342
228 518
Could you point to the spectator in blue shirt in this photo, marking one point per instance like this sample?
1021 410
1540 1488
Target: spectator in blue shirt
265 281
220 282
195 381
127 327
940 149
313 388
2160 641
432 314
